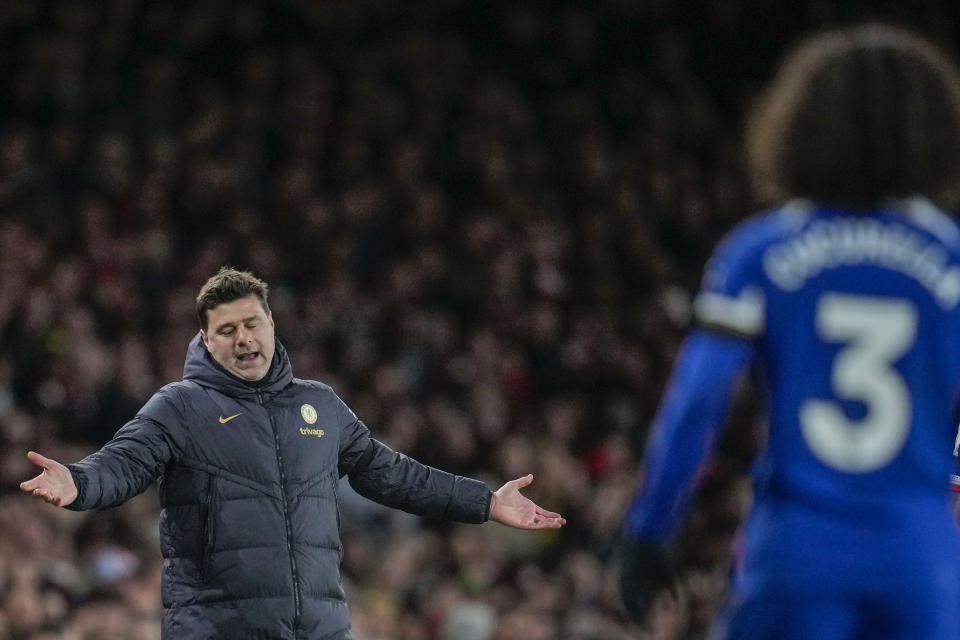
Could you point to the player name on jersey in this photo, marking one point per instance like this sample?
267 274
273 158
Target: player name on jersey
849 241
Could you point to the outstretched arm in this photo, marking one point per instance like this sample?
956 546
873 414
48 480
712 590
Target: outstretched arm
121 469
54 484
392 479
510 507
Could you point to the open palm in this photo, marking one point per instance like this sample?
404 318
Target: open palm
512 508
54 484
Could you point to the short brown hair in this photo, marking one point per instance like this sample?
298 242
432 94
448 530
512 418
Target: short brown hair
858 115
228 285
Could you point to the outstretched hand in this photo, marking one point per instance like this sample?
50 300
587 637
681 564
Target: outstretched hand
513 509
54 484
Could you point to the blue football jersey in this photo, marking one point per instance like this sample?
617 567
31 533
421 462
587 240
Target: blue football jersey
853 322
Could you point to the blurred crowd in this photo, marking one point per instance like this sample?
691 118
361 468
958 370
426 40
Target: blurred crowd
482 224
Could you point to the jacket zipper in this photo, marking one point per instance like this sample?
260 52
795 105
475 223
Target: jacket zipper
286 519
208 532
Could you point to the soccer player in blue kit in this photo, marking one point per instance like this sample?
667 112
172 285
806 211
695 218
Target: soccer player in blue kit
845 300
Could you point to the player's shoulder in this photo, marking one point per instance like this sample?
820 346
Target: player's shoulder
737 257
755 233
924 216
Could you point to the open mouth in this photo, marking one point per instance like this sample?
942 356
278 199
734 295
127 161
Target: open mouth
248 357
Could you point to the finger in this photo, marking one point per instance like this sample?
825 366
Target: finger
48 497
547 516
524 481
44 494
547 523
31 484
39 460
550 514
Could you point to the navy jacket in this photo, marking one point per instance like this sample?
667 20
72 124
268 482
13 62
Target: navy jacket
249 530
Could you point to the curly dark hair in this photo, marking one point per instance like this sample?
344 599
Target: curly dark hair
227 285
858 115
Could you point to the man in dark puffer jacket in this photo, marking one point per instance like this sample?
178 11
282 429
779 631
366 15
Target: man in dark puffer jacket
248 459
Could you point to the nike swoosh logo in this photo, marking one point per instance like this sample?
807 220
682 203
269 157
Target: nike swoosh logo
226 420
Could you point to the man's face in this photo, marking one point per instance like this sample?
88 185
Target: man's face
240 337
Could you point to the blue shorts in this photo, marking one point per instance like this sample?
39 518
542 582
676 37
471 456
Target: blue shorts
803 616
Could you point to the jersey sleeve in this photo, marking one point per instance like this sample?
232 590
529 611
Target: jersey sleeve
684 432
731 298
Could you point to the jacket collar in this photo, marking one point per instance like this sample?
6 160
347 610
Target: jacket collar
201 368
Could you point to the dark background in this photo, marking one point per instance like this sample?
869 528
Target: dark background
483 224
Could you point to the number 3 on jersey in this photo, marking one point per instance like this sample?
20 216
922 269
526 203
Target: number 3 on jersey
876 333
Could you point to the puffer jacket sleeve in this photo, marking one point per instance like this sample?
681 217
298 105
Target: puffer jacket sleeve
136 456
393 479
